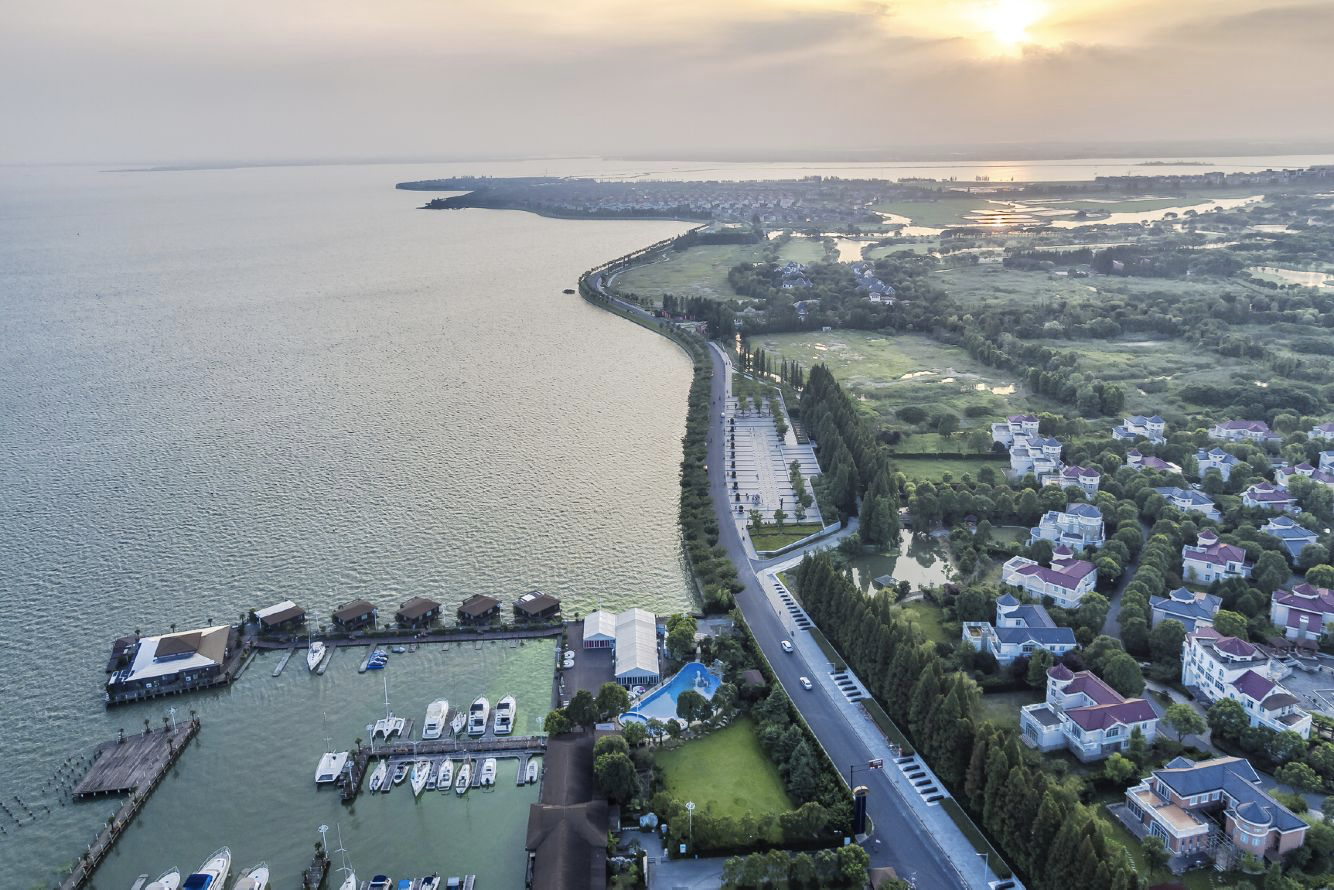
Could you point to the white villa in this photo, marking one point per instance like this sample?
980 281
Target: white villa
1327 461
1215 459
1035 454
1226 667
1065 582
1015 425
1268 496
1293 536
1256 431
1188 500
1139 427
1283 475
1086 716
1324 431
1019 630
1078 527
1190 608
1306 613
1086 479
1211 560
1137 460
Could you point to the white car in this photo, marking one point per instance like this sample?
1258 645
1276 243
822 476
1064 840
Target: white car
787 646
805 682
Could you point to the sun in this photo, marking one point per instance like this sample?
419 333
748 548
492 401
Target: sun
1008 21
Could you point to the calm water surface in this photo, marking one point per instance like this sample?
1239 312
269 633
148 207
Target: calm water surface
219 389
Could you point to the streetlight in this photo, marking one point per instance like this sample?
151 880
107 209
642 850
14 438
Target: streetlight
172 712
690 823
324 844
877 763
986 864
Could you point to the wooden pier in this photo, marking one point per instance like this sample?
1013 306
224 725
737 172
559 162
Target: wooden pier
316 873
282 662
133 765
472 750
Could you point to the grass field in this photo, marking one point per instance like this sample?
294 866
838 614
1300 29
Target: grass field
951 209
928 619
702 271
725 770
1003 707
771 537
918 468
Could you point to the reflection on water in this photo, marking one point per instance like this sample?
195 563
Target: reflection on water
921 560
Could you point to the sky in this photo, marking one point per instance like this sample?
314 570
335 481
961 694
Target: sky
170 81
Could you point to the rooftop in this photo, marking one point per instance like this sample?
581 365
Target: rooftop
478 605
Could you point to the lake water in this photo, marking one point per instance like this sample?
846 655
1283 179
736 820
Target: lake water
921 560
220 389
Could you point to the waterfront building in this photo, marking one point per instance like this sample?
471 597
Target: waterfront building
479 609
1078 527
1188 500
599 630
286 615
173 662
419 611
1192 609
1213 810
1019 630
1218 667
1139 427
636 651
536 605
1066 581
1211 560
1293 536
1085 716
354 615
1306 613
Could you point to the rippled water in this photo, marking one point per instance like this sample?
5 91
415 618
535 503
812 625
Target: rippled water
219 389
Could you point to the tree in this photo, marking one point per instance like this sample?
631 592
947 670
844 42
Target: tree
852 864
1228 718
1327 808
805 822
1230 624
1122 673
1299 776
1284 746
1155 851
1038 665
681 636
582 709
616 776
779 518
611 744
1270 571
691 706
612 700
1165 641
1138 750
556 723
1312 555
1320 576
1119 770
1184 720
635 733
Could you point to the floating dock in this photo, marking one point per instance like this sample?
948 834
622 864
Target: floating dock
282 662
472 750
324 662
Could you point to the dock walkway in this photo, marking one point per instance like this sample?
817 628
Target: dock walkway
472 750
441 635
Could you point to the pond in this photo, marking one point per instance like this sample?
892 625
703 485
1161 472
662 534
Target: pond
921 560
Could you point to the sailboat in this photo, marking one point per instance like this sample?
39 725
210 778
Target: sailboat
169 880
254 878
315 654
434 724
212 875
379 776
421 771
389 725
505 716
332 763
350 879
459 722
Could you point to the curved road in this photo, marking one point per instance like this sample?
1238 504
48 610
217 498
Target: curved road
899 839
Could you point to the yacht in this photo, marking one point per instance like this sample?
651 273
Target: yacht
253 878
400 772
430 882
315 654
379 775
478 715
460 720
464 778
421 771
445 780
505 716
488 771
380 882
212 875
436 712
532 771
407 884
169 880
331 767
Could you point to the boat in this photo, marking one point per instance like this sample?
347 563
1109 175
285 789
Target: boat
389 725
505 715
400 772
477 715
379 882
377 660
407 884
430 882
399 650
488 776
349 882
315 654
379 775
421 771
531 777
331 767
445 780
436 712
254 878
460 720
168 880
212 875
464 778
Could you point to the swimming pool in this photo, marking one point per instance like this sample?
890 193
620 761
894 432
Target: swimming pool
660 704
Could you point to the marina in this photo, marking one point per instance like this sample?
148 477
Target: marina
464 754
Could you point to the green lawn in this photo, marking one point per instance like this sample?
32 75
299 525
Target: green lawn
701 271
771 537
918 468
1003 707
1196 879
725 770
928 618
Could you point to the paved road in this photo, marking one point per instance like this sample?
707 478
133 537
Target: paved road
899 839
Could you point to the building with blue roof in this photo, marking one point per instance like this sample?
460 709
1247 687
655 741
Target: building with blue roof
1188 500
1190 608
1019 631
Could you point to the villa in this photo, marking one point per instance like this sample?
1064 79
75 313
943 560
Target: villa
1086 716
1078 527
1256 431
1324 431
1267 496
1215 459
1213 810
1139 427
1086 479
1283 475
1190 608
1327 461
1211 560
1305 614
1187 500
1015 425
1035 454
1137 460
1219 667
1293 536
1019 630
1065 582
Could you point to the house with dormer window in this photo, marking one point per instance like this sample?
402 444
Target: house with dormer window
1139 427
1086 716
1215 459
1293 536
1079 526
1211 560
1267 496
1137 460
1188 500
1219 667
1020 630
1306 613
1256 431
1066 581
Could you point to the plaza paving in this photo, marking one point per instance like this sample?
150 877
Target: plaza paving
758 465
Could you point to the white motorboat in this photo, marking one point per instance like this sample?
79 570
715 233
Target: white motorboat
458 723
169 880
315 654
379 882
400 772
488 775
445 780
478 715
421 771
430 882
505 715
464 778
212 875
532 771
379 775
331 767
254 878
436 712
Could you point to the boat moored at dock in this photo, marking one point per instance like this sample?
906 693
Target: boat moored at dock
331 767
380 882
254 878
531 776
464 778
505 715
400 773
168 880
421 772
436 713
315 654
378 777
212 875
459 722
478 715
445 778
488 774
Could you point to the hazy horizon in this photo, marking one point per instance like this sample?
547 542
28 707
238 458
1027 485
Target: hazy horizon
146 81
